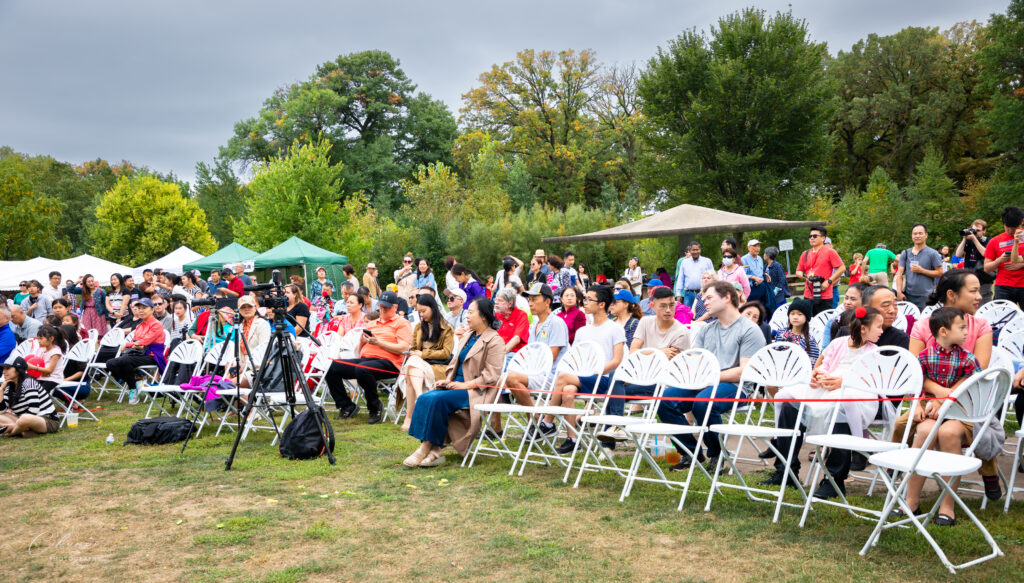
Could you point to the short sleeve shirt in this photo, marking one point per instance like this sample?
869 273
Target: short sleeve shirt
553 332
878 260
976 328
396 331
516 324
821 263
652 337
919 284
999 245
740 340
606 336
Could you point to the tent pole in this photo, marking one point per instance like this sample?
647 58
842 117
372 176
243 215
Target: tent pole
305 279
682 246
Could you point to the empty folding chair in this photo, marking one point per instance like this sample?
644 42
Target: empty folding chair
777 365
693 369
998 314
1018 460
113 340
976 401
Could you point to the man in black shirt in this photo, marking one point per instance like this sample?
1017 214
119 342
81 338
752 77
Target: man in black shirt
882 299
972 249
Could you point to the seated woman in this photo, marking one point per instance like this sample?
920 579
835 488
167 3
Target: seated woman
756 313
431 351
145 348
471 379
355 307
51 350
25 407
257 336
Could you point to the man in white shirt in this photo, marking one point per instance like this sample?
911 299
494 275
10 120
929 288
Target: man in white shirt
53 290
455 299
689 270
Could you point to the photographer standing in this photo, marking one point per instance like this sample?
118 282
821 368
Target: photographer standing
1003 255
972 249
821 267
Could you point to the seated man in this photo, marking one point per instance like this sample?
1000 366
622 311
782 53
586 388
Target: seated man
515 326
23 326
380 357
7 340
455 299
733 339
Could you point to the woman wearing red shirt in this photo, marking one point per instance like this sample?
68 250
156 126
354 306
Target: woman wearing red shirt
145 349
571 313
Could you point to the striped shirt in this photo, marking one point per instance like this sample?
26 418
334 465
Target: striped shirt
34 400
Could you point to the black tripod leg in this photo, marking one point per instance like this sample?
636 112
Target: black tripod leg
244 413
206 393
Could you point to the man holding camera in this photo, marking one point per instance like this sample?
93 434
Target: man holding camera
821 267
972 249
1004 256
383 346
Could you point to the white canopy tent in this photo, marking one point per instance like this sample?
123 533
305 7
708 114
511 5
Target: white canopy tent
172 262
71 269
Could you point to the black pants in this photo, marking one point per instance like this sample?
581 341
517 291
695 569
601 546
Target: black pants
1014 294
838 461
123 367
819 306
367 379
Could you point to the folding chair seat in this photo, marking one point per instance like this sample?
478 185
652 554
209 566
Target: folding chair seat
782 365
645 367
114 338
582 359
887 372
533 360
65 395
977 401
693 369
188 354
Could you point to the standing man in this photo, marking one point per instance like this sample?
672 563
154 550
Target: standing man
569 260
918 269
972 249
689 270
878 260
240 273
754 266
1002 255
820 267
53 292
836 281
234 289
36 304
370 280
147 286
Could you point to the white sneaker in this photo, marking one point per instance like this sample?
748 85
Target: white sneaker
133 396
616 434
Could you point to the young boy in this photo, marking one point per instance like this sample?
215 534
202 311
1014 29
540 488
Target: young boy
945 365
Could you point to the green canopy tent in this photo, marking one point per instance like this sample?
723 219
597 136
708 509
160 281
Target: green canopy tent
233 253
297 257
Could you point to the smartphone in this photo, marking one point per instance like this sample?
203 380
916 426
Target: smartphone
367 332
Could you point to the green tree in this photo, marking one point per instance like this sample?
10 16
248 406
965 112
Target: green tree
878 214
364 104
222 196
295 194
29 222
738 118
143 217
932 195
897 96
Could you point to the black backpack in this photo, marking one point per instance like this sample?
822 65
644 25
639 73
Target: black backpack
159 430
301 439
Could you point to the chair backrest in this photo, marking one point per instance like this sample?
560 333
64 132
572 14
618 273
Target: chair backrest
188 352
819 323
584 359
94 336
647 366
900 323
214 353
1001 358
348 346
779 364
114 337
908 309
24 348
81 352
693 369
780 318
1013 343
1015 324
976 400
927 311
533 359
998 313
890 371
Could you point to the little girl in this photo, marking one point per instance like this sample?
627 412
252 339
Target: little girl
799 330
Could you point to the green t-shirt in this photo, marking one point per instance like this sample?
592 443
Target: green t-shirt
878 260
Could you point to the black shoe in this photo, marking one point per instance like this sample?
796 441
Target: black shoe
542 428
825 490
711 464
992 489
944 520
567 446
685 462
776 479
898 512
766 455
374 416
858 462
492 434
348 411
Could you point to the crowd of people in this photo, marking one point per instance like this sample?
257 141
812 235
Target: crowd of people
449 336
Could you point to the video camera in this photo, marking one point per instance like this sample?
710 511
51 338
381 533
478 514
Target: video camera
274 292
967 232
816 281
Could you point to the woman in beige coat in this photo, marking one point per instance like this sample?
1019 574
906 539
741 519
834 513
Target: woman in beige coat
450 414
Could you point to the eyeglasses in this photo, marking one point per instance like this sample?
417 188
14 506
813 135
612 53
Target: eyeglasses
407 261
813 236
450 299
588 300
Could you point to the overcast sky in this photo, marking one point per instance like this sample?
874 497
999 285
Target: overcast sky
163 83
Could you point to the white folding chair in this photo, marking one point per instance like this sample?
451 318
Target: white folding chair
65 395
1018 460
976 401
188 354
1013 342
780 318
782 365
693 369
583 359
927 311
818 325
533 360
906 309
999 313
114 338
647 366
24 348
888 371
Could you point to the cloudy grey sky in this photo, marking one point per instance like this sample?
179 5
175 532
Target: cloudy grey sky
162 83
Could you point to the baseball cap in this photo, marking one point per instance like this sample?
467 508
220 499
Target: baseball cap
246 301
625 295
655 283
828 240
753 242
540 289
18 363
387 299
145 302
455 292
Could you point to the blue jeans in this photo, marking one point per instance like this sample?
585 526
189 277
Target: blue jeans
430 418
675 412
618 406
689 297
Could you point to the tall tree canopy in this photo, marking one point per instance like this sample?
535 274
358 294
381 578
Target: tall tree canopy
738 118
365 106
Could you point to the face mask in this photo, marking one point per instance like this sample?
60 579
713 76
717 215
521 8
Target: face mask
727 261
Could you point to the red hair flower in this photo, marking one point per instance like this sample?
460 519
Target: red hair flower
860 312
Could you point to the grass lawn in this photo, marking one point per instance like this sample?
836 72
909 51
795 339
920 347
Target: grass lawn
77 509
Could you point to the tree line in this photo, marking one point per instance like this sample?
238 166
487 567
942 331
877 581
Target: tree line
750 116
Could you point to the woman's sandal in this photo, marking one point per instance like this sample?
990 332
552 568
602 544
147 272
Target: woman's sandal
414 460
433 460
944 520
898 512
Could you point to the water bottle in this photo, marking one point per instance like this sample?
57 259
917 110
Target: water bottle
110 439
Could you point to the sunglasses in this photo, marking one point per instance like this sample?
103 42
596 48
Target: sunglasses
813 236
